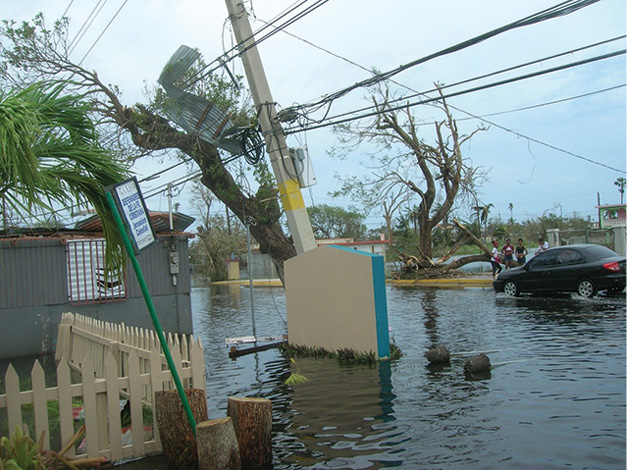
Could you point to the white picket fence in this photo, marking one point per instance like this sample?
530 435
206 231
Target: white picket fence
113 362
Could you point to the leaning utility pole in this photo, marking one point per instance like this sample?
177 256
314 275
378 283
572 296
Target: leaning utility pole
289 189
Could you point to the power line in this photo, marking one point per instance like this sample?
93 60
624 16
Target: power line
509 69
335 121
83 29
468 80
546 103
103 31
472 90
67 9
225 57
556 11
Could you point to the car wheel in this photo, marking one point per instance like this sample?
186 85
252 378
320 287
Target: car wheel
510 289
586 288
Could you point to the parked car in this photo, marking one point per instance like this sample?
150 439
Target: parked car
585 269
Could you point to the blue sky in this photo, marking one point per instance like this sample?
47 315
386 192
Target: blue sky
552 158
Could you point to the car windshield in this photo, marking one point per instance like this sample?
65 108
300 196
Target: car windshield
599 252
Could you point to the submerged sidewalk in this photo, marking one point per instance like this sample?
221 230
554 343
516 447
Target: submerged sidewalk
470 280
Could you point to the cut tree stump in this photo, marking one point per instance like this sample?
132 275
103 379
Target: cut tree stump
177 438
252 421
217 445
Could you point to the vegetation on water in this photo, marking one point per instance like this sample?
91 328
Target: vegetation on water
343 356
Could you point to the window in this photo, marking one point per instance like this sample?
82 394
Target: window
87 280
569 256
543 260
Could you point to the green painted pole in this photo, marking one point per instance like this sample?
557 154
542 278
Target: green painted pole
151 309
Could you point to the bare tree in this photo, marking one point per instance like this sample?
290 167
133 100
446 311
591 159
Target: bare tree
427 171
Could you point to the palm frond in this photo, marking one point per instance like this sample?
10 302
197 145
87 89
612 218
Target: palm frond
49 154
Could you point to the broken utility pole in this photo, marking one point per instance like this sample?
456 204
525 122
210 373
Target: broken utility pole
287 179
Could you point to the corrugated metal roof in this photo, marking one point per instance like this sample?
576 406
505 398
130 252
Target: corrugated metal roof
160 222
195 114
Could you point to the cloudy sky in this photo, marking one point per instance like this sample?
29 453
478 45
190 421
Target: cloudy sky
540 157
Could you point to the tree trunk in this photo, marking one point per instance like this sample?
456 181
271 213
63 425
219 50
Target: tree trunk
177 438
217 445
462 241
252 420
464 260
477 242
267 230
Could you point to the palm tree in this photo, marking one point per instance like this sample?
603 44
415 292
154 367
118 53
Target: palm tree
621 182
49 155
483 213
510 207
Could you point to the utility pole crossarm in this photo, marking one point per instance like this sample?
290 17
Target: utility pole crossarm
284 172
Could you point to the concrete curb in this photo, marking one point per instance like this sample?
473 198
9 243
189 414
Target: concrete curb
453 282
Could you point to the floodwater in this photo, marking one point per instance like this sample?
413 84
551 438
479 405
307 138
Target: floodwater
555 397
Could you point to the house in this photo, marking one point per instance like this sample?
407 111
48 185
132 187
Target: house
46 273
612 218
612 215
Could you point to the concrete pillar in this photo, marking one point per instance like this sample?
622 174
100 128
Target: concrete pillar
232 269
553 237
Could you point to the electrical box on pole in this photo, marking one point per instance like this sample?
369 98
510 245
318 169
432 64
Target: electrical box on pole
303 167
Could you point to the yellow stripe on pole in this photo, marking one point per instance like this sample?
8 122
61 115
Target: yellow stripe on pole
291 196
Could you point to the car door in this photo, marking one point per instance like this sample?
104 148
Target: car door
567 268
539 272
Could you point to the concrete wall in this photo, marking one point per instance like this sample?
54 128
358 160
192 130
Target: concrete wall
335 299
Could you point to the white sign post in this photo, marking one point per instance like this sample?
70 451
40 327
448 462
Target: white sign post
133 210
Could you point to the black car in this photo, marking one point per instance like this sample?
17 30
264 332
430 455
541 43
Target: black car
585 269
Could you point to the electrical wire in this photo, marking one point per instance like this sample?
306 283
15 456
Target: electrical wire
83 29
103 31
67 9
335 120
556 11
286 114
231 54
546 103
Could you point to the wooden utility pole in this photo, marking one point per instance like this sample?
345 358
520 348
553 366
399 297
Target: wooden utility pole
289 189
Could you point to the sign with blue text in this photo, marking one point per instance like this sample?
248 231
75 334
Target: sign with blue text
133 210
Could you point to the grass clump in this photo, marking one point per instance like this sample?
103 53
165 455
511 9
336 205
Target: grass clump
344 356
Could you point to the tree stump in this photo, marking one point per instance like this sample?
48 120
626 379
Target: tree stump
438 355
177 438
252 421
217 445
477 364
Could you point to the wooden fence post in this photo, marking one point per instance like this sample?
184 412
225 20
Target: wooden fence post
40 404
64 387
14 406
252 420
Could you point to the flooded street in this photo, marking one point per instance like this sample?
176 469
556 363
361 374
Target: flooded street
555 397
